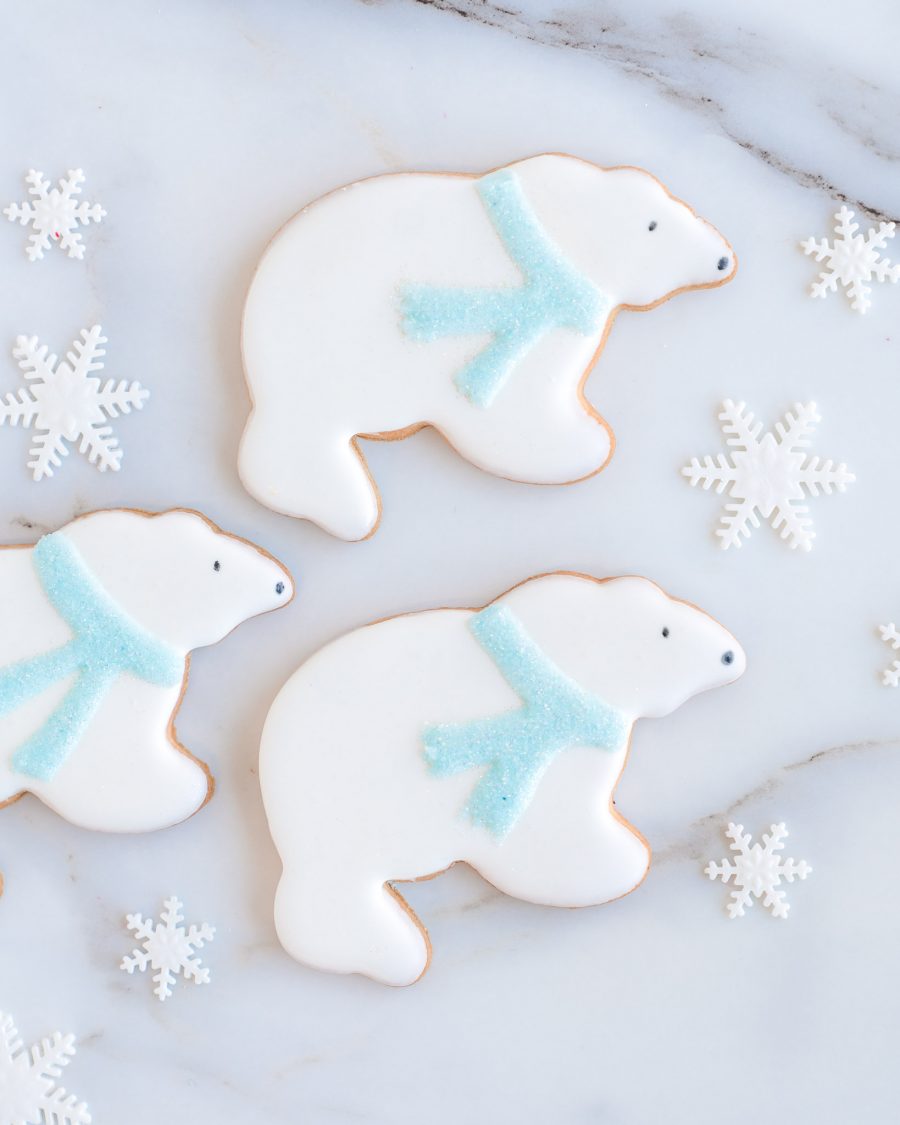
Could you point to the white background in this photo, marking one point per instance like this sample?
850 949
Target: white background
201 128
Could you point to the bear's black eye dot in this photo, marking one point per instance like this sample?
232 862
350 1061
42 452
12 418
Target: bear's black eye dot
728 657
217 565
652 225
665 630
279 587
722 263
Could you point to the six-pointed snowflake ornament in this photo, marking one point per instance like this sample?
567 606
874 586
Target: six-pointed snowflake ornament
767 476
853 260
757 870
168 948
55 214
65 402
890 677
28 1091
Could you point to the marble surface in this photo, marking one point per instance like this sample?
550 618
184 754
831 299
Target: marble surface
201 128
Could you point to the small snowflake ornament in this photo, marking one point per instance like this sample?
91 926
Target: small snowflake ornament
890 677
757 870
853 260
28 1090
767 476
55 214
64 402
168 947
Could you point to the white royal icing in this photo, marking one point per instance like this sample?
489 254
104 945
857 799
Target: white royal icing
126 774
327 357
352 804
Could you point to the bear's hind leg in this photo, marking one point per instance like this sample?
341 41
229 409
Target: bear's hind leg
350 927
309 472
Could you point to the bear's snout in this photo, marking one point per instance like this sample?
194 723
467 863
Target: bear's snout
733 660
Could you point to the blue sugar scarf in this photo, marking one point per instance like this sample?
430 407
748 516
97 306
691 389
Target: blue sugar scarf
553 294
105 644
518 746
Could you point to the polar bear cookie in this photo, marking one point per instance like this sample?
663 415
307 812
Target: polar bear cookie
474 304
98 621
495 737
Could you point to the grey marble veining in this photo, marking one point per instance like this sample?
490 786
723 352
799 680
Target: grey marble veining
749 80
201 128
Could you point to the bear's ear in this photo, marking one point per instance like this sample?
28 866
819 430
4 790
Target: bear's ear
166 518
114 522
183 517
171 516
178 526
636 586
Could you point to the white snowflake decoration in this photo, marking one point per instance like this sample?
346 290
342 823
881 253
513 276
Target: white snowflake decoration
55 214
28 1090
168 947
767 476
64 402
890 677
757 870
853 260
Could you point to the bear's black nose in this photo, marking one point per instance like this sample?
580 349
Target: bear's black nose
728 657
279 589
723 263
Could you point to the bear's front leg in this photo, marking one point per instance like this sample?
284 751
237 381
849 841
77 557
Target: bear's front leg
126 774
587 859
538 429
